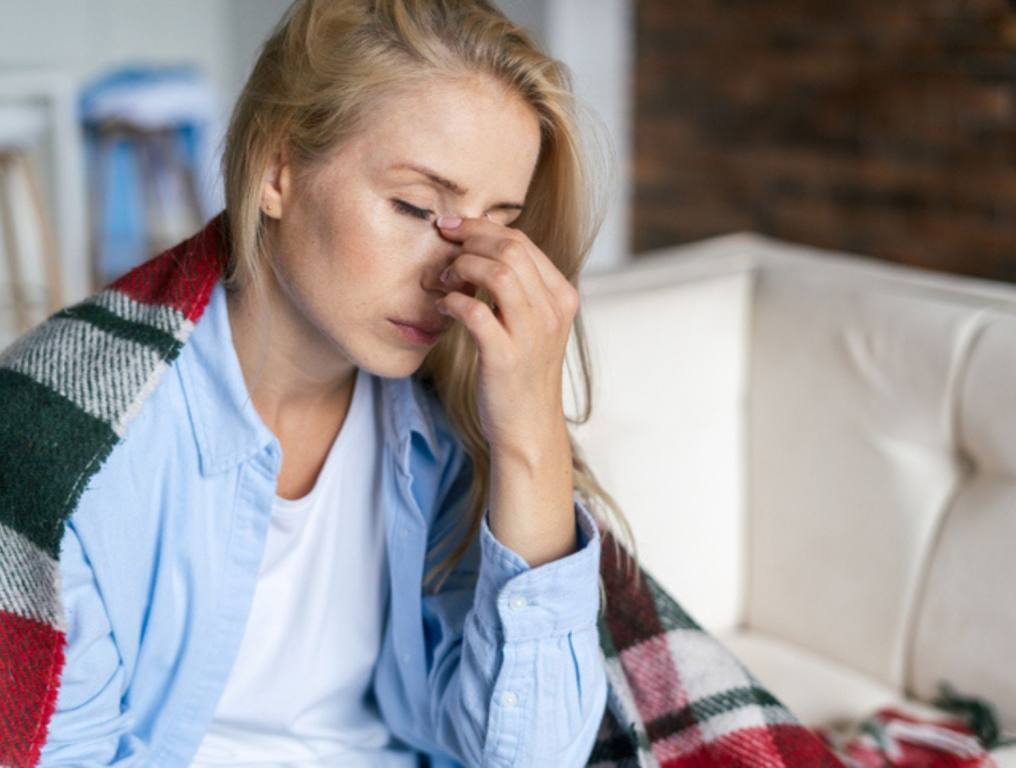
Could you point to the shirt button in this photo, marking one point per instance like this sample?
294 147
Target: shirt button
518 601
509 699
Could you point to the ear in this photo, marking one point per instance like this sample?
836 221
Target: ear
275 185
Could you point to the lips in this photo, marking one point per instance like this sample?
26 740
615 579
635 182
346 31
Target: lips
426 325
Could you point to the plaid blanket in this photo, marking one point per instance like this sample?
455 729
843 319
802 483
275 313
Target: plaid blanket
896 737
68 391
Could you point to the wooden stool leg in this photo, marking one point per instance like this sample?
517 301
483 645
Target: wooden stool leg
51 262
100 179
22 318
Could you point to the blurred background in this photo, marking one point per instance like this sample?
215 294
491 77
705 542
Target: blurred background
882 128
887 129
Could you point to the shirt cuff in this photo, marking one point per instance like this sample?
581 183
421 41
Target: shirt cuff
518 602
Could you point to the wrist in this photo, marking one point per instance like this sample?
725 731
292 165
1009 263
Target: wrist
539 449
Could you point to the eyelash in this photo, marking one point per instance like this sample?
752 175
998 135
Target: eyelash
411 210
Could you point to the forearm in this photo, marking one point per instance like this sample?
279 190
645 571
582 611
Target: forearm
531 497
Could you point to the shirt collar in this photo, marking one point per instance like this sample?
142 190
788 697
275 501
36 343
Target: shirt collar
228 429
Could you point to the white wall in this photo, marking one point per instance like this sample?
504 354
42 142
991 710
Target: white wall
87 36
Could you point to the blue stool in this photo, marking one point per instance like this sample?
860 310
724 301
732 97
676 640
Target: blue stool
143 127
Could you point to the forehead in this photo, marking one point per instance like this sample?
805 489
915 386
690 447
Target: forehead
475 133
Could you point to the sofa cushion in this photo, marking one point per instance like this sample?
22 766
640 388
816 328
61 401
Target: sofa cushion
815 688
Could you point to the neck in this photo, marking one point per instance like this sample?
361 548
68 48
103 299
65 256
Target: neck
293 375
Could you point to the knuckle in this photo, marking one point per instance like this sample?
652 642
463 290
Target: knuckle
502 275
474 311
510 249
519 236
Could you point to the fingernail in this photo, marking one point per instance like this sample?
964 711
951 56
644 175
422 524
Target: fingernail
448 222
445 274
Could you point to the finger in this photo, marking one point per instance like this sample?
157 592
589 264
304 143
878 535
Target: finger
510 251
556 282
503 283
491 337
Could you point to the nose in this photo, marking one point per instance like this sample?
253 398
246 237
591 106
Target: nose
449 252
455 283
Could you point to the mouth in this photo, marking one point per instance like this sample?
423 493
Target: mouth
420 332
428 326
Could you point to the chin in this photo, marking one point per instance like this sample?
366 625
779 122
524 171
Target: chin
397 365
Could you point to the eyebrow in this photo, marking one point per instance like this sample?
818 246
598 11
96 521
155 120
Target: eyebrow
450 185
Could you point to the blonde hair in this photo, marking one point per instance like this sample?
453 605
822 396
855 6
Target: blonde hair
325 64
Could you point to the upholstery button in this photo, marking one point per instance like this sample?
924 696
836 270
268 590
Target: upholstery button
509 699
518 601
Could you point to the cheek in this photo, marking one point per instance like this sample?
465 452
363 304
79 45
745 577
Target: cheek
339 255
368 257
357 277
387 251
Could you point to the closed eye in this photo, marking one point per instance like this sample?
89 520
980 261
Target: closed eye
411 210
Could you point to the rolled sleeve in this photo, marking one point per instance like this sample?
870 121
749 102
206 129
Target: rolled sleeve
517 676
515 601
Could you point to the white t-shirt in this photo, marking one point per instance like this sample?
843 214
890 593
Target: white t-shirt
300 691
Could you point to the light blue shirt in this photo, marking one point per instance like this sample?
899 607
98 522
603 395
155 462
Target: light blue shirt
160 559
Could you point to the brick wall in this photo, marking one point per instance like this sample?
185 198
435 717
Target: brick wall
886 128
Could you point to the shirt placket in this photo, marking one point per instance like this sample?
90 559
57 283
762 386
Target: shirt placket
252 509
405 539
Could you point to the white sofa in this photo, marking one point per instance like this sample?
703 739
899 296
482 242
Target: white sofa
817 451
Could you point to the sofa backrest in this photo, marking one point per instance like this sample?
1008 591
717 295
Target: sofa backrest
667 345
820 446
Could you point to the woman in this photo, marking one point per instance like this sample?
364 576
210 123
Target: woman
350 526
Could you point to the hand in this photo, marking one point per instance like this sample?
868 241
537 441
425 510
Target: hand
522 342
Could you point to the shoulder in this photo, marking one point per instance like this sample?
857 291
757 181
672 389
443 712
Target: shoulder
68 388
159 433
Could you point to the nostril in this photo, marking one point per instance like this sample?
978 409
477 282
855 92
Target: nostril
456 283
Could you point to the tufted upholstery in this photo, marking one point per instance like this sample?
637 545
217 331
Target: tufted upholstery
818 453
